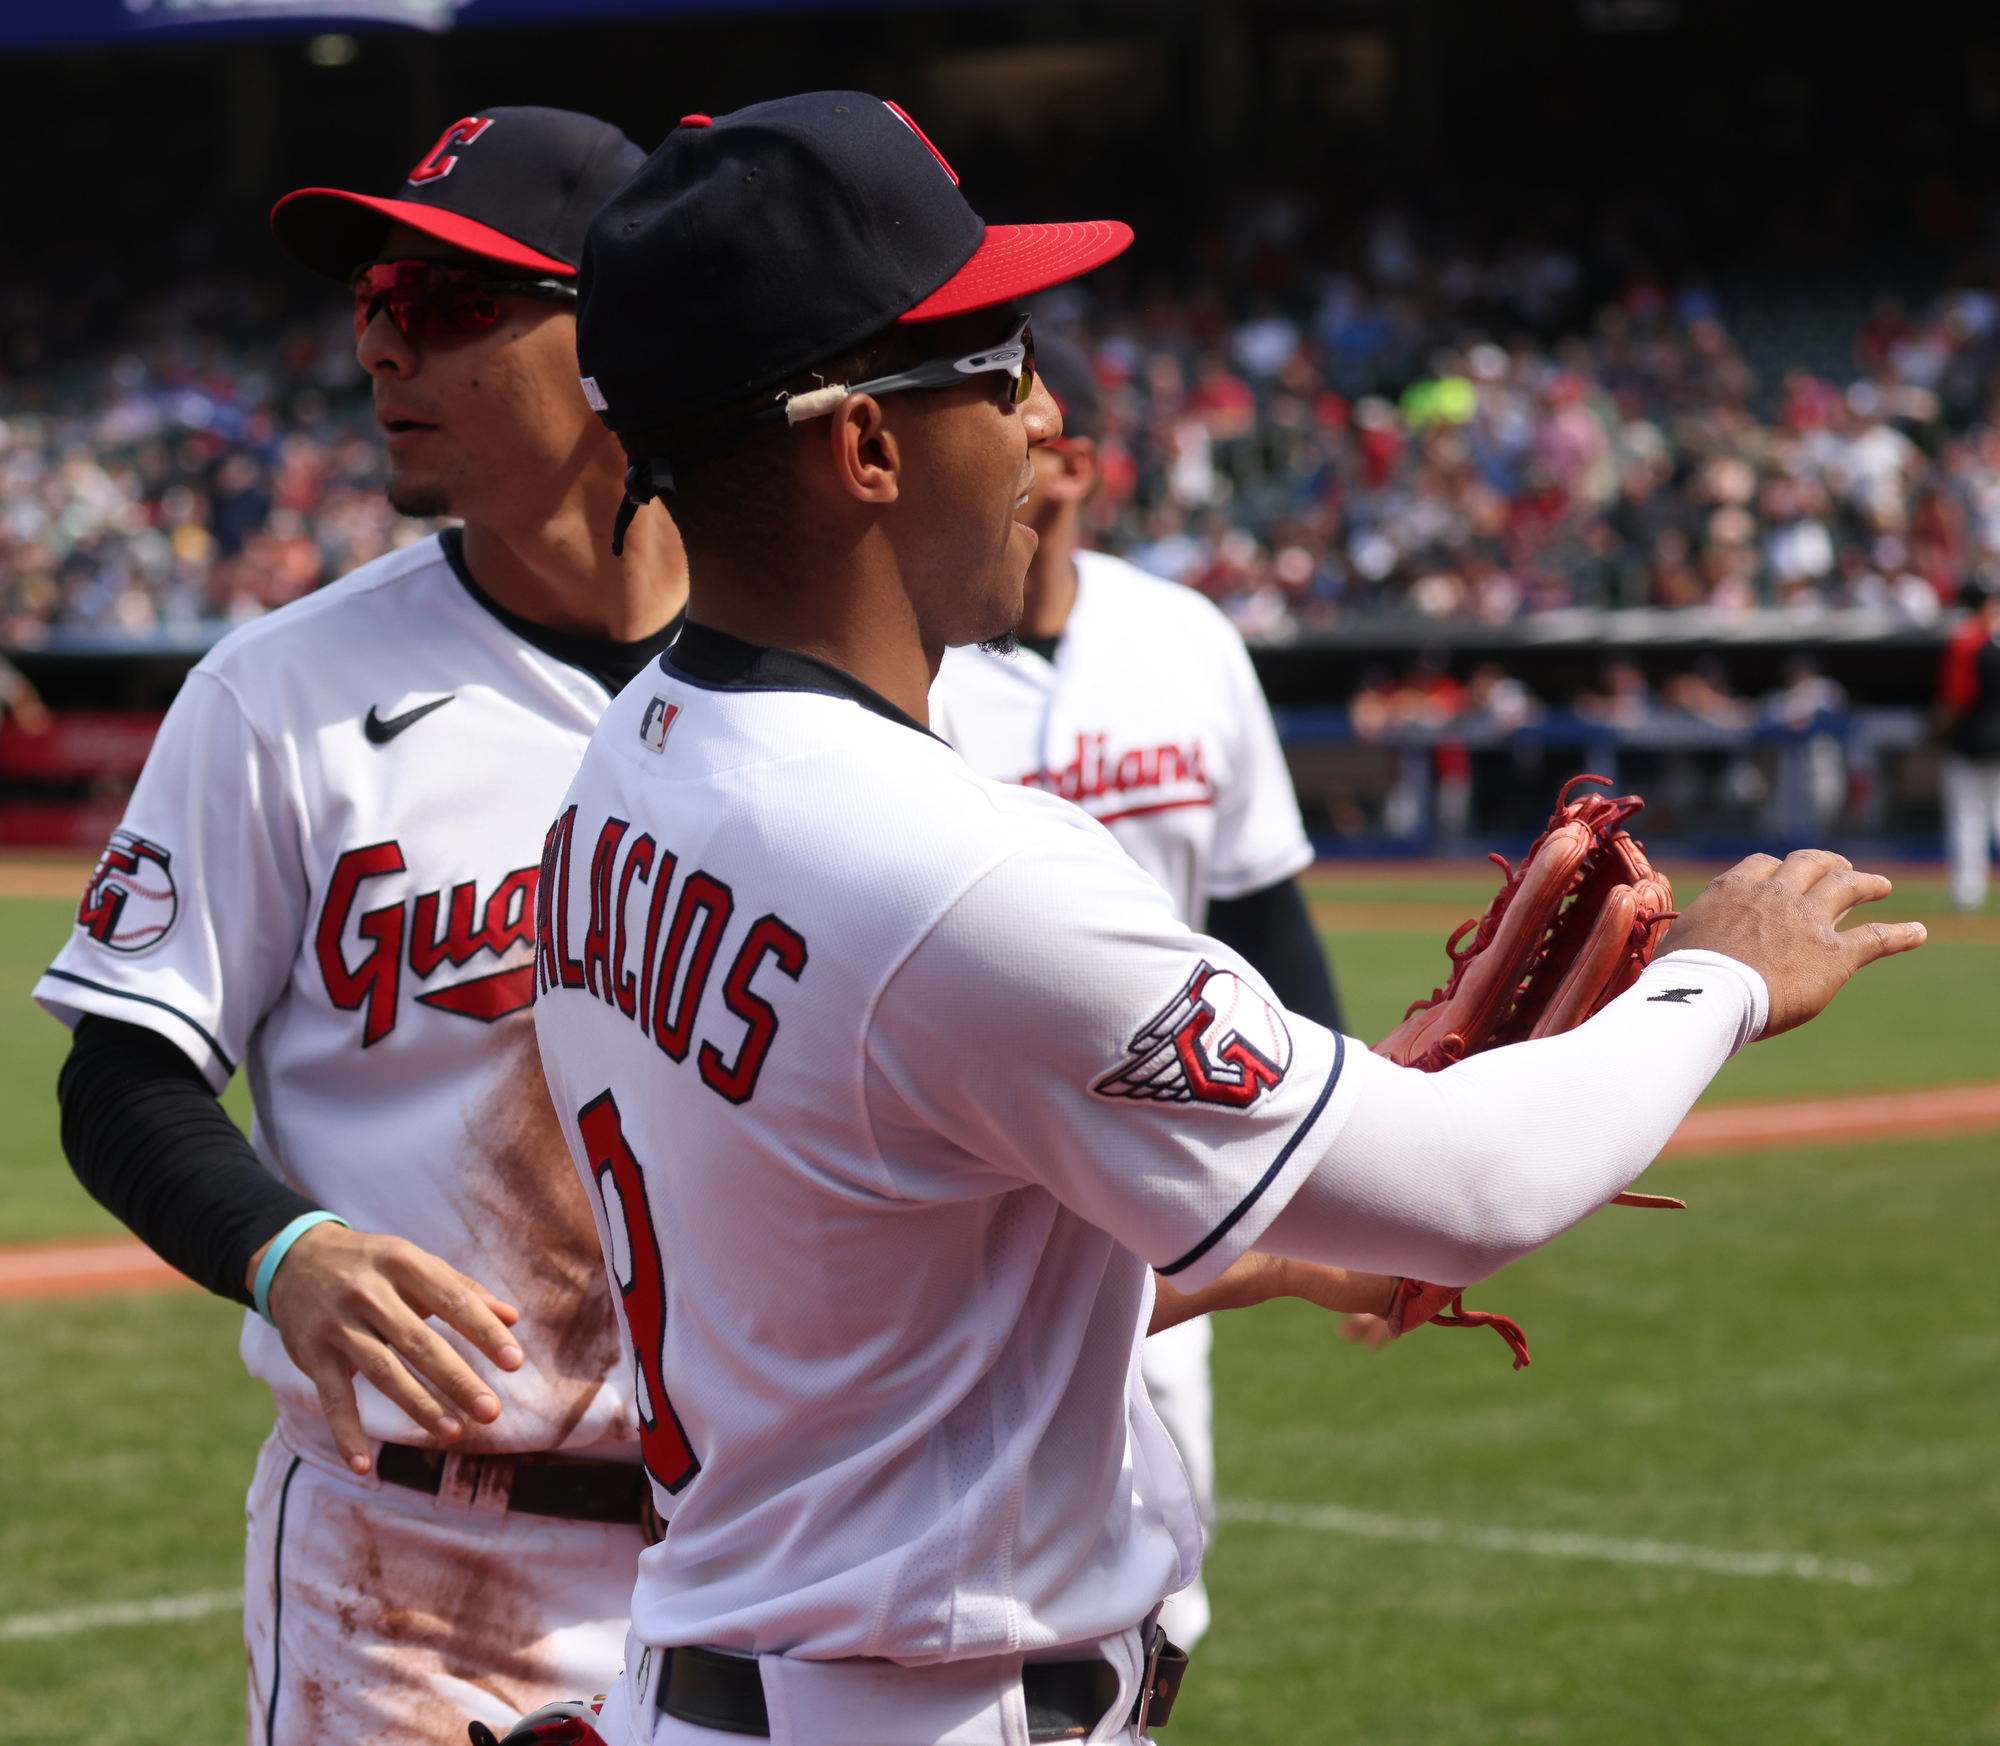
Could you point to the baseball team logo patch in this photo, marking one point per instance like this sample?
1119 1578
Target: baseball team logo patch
1217 1041
130 902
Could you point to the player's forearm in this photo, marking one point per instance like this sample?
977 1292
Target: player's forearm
1257 1278
1449 1176
147 1137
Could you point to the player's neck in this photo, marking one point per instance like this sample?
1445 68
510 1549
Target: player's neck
854 615
1049 595
557 570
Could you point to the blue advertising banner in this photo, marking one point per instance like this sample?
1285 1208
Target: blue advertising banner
38 25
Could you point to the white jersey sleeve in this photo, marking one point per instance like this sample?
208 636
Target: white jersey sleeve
1259 836
1144 1076
192 920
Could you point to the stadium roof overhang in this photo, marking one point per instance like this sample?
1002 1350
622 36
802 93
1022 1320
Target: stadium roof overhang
28 26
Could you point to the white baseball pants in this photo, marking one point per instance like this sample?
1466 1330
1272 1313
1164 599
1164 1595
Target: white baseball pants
377 1614
1971 824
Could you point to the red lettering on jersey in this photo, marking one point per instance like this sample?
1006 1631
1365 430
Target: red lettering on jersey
663 880
639 865
571 969
545 886
673 1027
375 980
597 939
507 919
769 937
427 951
434 163
509 911
642 1285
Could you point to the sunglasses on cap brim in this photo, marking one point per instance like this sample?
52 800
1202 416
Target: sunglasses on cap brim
433 300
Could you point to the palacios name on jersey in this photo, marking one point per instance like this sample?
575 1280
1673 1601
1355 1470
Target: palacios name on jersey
662 994
406 933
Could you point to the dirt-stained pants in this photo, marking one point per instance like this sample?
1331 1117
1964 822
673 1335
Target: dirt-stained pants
376 1614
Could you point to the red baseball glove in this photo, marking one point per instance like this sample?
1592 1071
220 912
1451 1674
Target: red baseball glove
1568 932
560 1724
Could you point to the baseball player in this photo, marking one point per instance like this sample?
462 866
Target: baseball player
327 875
1968 719
1135 698
891 1084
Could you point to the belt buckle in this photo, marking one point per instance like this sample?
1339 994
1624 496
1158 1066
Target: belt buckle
1166 1666
1152 1673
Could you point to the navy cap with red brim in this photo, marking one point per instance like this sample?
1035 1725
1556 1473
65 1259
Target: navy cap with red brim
753 246
333 232
1017 260
515 186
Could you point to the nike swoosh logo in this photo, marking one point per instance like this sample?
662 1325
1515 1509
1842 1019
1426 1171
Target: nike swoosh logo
1673 996
381 732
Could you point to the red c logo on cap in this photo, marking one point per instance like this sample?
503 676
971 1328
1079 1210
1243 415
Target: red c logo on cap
434 163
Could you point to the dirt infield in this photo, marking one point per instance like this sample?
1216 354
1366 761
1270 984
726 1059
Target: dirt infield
58 876
103 1268
45 1270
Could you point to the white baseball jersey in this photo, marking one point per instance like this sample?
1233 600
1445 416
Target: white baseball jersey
889 1082
1151 719
327 874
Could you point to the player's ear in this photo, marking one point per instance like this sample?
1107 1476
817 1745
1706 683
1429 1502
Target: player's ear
866 457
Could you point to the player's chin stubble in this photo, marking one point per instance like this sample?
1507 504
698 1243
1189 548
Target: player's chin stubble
418 497
1004 644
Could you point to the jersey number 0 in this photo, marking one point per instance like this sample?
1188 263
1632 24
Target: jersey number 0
642 1282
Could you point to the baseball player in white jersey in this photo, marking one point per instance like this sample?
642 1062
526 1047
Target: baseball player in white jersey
1135 698
327 876
891 1084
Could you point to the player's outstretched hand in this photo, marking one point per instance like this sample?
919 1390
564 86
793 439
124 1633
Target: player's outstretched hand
1255 1277
354 1302
1781 918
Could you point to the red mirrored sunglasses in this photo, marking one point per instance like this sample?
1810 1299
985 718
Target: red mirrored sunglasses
429 300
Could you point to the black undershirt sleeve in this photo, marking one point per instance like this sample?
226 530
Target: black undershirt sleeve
152 1143
1273 931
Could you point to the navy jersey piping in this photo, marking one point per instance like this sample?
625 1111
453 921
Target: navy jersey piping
1271 1175
717 661
612 665
221 1054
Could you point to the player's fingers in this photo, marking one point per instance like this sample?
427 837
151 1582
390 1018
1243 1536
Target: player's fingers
379 1364
435 1363
1872 940
434 1288
1839 892
1802 869
335 1384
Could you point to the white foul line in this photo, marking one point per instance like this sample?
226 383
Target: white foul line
1330 1518
163 1610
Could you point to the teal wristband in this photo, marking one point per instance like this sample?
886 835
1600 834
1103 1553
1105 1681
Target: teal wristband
281 1246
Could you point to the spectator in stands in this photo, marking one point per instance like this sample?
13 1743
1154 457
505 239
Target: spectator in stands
1968 720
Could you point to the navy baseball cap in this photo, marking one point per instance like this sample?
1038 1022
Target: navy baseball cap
755 244
514 185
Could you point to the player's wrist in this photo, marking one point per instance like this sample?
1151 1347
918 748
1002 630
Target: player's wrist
273 1254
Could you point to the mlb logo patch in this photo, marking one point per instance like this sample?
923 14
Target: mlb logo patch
658 723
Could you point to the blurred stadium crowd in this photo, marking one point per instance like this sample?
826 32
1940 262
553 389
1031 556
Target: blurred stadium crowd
218 461
1426 430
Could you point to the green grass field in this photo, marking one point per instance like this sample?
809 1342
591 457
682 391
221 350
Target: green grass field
1802 1364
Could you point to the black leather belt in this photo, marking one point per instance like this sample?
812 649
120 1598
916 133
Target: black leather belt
569 1487
713 1688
